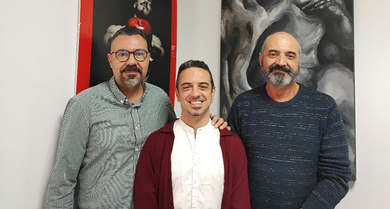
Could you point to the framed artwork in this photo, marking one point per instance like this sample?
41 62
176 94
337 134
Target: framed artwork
100 19
324 29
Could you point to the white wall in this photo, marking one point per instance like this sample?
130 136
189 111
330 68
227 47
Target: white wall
371 190
38 51
38 44
198 37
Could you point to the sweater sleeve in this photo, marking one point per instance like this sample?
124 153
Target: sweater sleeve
233 118
333 166
145 192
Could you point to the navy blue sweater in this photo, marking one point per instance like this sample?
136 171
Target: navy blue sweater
297 150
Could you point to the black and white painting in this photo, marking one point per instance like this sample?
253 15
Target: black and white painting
324 29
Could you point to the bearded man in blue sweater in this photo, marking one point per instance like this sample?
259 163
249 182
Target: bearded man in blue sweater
294 136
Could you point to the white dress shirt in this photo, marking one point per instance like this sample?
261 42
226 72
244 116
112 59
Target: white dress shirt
197 167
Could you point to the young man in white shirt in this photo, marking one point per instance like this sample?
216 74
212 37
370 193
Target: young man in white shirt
189 163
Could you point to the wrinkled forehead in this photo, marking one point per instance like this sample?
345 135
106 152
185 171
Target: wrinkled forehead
282 42
124 41
194 75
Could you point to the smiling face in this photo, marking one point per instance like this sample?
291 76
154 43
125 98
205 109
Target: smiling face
129 73
279 59
195 93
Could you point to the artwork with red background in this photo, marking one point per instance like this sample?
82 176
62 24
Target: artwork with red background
100 19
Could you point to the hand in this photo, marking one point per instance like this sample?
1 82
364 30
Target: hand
325 5
156 43
220 123
317 4
111 30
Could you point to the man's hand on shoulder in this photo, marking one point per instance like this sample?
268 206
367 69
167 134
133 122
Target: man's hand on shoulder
218 122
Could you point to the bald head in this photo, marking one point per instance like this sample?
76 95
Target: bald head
279 59
281 37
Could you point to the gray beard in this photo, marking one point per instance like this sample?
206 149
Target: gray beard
131 81
278 80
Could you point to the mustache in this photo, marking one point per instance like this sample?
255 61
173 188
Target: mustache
284 68
132 68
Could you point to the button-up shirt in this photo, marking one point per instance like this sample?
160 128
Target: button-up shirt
197 167
101 137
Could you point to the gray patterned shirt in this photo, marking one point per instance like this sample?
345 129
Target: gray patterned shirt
101 137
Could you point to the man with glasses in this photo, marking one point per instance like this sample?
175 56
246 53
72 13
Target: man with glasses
104 129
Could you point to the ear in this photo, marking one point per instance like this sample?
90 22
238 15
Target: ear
149 56
260 59
212 94
109 59
177 95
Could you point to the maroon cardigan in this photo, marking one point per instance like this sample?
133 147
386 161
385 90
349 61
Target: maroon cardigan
153 183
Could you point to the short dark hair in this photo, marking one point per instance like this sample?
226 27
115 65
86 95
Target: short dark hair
129 31
194 63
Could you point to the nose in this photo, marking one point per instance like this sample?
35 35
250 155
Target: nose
195 92
131 60
281 60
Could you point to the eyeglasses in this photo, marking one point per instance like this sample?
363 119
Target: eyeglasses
122 55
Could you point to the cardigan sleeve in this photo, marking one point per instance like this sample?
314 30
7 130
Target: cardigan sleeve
239 191
333 166
145 192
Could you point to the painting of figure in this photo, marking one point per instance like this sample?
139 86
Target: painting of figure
324 29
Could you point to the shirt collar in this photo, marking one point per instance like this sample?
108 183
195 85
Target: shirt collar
169 129
121 97
190 129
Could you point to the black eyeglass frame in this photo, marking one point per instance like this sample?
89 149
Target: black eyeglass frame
135 57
